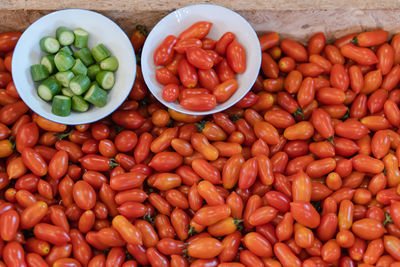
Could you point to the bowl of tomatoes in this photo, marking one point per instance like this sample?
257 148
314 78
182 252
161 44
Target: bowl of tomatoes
201 59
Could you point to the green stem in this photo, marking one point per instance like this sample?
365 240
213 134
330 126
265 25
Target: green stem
200 125
142 29
388 219
113 163
298 112
354 41
61 136
192 231
330 139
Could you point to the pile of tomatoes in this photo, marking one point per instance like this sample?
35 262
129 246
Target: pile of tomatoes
197 70
303 171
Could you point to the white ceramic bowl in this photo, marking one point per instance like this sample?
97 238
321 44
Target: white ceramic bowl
101 30
223 20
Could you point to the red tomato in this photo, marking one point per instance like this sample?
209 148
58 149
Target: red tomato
202 102
361 55
8 40
164 52
197 30
199 58
14 255
294 50
236 56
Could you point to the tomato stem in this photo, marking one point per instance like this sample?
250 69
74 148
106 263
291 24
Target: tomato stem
144 102
354 41
347 115
61 136
330 139
170 124
298 112
113 163
192 231
142 29
12 141
235 118
388 219
147 217
317 206
200 125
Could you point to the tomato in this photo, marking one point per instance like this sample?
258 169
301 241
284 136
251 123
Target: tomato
164 52
306 92
269 66
8 40
258 244
391 79
371 38
304 213
268 40
197 30
385 54
361 55
14 255
224 71
310 69
50 233
225 90
129 119
205 248
392 246
182 45
351 129
330 251
199 58
170 92
236 56
6 148
166 161
12 112
285 255
9 220
294 50
293 81
262 215
127 180
206 171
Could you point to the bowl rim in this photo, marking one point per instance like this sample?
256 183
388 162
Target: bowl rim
185 111
54 13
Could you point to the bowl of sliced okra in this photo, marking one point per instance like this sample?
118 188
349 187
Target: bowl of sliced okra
74 66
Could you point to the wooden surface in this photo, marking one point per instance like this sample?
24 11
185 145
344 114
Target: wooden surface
294 18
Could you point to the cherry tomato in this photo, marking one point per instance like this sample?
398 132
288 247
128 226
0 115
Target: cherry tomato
236 56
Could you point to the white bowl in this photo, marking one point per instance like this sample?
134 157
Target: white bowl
101 30
223 20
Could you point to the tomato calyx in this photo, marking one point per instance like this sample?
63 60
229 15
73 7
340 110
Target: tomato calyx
13 143
144 102
388 219
170 124
200 125
236 117
346 116
118 129
128 255
142 29
61 136
28 233
239 224
298 112
113 163
317 206
354 41
149 218
330 139
192 231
